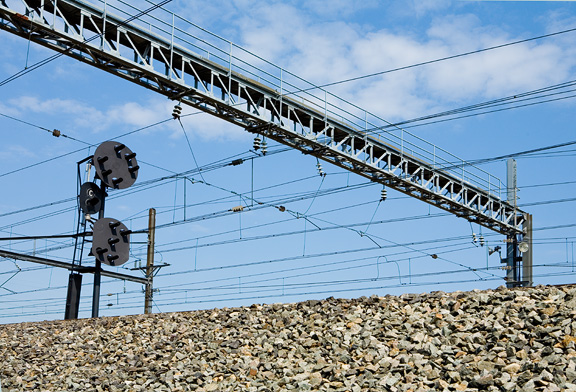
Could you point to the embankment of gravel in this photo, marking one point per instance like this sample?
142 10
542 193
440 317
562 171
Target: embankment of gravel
496 340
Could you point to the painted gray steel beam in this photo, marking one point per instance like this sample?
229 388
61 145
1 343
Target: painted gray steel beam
228 89
70 267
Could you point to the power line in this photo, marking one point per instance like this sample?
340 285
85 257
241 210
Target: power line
476 107
547 202
513 155
438 60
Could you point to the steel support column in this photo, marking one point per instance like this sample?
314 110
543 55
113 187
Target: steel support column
150 261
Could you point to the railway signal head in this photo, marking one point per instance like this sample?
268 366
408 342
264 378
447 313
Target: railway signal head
111 241
91 197
116 165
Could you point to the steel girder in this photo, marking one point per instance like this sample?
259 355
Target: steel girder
90 34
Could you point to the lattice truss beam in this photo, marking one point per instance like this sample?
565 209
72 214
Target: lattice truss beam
89 34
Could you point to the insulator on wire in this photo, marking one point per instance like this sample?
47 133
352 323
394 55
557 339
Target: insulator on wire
320 171
474 238
383 194
481 240
264 147
257 143
177 111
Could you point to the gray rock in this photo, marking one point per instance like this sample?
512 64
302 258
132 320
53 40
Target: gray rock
502 339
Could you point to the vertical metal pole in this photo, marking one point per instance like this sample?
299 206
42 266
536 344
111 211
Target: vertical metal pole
74 279
150 260
96 291
510 264
98 266
73 296
511 186
103 41
527 256
512 244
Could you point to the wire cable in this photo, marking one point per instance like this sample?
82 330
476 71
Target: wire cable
436 60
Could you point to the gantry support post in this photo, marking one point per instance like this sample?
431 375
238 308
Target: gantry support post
98 267
527 256
73 296
150 261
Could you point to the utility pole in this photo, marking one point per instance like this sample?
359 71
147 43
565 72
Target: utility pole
527 255
511 240
150 261
518 246
98 266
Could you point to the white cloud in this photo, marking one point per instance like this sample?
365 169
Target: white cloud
139 114
324 52
81 115
128 116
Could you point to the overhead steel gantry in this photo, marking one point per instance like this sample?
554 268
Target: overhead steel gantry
174 57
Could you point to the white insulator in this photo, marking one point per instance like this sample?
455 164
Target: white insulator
383 195
264 147
481 240
257 143
474 238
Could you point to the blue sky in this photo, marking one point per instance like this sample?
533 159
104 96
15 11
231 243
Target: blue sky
349 244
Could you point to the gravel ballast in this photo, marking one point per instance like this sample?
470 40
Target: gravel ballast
496 340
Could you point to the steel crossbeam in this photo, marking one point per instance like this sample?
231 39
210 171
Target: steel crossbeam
70 267
167 59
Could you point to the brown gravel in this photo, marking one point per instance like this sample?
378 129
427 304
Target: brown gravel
496 340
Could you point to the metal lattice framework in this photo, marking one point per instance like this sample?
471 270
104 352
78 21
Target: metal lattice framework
186 63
